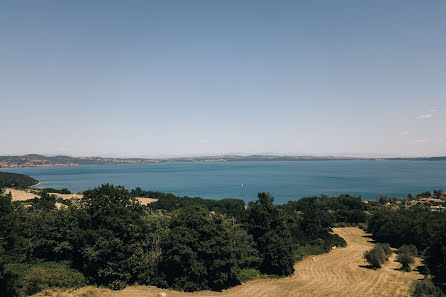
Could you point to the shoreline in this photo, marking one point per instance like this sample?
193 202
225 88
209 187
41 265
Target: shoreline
224 161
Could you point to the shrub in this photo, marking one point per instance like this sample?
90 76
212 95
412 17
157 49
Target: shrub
376 257
426 288
336 240
408 249
302 251
405 260
89 293
406 254
248 274
386 248
30 279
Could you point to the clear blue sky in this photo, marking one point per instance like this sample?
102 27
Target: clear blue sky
138 78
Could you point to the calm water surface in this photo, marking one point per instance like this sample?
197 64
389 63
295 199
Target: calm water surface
285 180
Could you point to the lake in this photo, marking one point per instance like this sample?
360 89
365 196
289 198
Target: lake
285 180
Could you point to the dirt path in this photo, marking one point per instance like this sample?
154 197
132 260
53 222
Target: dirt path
338 273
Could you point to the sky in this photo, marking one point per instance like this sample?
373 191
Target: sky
160 78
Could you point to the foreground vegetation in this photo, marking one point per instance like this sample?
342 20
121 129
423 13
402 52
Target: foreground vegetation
338 273
415 231
108 238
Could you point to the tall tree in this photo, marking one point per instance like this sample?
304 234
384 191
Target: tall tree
265 222
202 251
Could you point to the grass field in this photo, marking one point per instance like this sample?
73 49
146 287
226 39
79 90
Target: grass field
21 195
342 272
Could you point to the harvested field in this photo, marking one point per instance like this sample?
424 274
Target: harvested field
20 195
341 272
67 196
145 201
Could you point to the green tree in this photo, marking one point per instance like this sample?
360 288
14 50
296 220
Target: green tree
202 251
436 259
110 240
266 223
8 239
46 202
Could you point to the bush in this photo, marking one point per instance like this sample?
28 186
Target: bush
405 260
386 248
406 254
89 293
249 274
302 251
408 249
376 256
30 279
426 288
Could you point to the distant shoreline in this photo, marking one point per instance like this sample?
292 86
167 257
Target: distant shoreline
27 161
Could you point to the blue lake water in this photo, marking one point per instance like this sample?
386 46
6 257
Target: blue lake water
284 180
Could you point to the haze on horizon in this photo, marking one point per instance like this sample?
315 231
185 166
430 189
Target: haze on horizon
146 78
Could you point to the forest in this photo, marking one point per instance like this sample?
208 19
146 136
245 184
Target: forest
107 238
15 180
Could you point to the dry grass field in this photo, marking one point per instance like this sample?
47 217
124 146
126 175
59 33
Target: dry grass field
342 272
145 201
20 195
67 196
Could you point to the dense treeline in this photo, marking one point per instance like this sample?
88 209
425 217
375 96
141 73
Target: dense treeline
14 180
53 190
345 209
108 238
169 202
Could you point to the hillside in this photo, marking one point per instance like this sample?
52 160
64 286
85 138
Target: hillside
14 180
34 160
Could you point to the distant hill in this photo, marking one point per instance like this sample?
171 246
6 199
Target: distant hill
34 160
421 159
14 180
